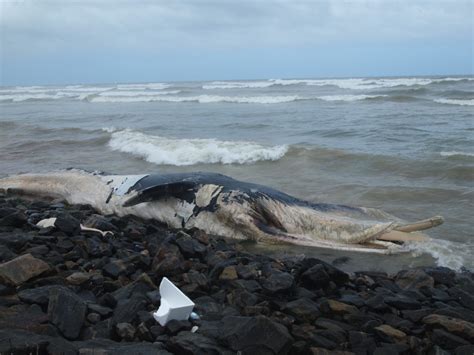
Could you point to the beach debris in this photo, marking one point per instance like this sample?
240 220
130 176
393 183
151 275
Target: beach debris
175 305
51 222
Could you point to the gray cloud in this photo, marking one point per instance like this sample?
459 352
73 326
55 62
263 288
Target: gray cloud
49 26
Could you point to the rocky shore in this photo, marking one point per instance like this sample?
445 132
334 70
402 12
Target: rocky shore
63 291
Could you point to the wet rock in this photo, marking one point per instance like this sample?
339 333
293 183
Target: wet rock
37 295
464 350
102 310
377 303
228 274
447 340
126 310
248 334
190 247
464 298
99 222
361 343
125 331
30 318
66 311
388 333
78 278
322 351
175 326
168 260
340 307
115 268
303 309
6 254
402 302
93 318
22 269
14 341
414 278
16 220
452 325
67 224
316 277
194 343
278 281
15 242
108 347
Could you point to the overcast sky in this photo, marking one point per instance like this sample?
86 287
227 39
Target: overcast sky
102 41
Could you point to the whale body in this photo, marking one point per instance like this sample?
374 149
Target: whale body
221 205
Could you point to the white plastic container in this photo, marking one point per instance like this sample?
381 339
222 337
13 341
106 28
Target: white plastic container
174 303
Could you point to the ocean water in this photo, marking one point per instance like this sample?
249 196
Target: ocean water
404 145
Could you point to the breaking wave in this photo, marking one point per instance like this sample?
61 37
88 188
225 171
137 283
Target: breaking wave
349 97
455 153
149 86
201 99
179 152
469 102
350 83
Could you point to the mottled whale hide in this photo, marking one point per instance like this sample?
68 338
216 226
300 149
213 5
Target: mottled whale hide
220 205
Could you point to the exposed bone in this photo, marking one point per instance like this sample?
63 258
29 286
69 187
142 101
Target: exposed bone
397 236
421 225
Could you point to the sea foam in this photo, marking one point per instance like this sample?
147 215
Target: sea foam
179 152
201 99
469 102
348 97
456 153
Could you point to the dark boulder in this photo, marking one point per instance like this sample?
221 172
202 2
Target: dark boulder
66 311
21 269
278 281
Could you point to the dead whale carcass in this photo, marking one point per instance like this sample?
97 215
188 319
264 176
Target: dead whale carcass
224 206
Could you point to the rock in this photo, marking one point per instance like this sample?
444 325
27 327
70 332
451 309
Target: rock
38 295
109 347
340 307
361 343
441 275
355 300
6 254
464 350
66 311
21 269
386 332
416 315
93 318
78 278
377 303
190 247
452 325
316 277
303 309
402 303
175 326
228 274
115 268
103 311
67 224
278 281
14 341
16 219
322 351
99 222
14 242
447 340
126 310
248 334
167 260
194 343
414 278
30 318
464 298
125 331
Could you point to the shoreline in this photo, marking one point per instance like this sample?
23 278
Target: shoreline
68 292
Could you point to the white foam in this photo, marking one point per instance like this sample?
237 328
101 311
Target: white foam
179 152
449 254
237 85
26 97
205 99
456 153
348 97
468 102
150 86
137 93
